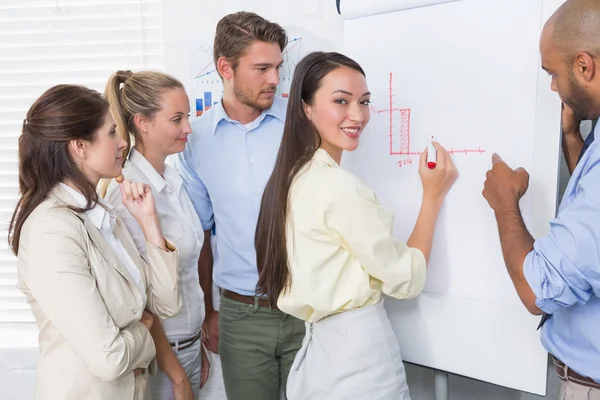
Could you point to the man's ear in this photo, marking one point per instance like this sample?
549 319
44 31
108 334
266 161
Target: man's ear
225 68
585 65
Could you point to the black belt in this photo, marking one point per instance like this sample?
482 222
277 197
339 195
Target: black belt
184 344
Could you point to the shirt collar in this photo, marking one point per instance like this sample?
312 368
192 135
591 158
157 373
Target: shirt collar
277 110
137 159
173 179
591 142
98 213
323 155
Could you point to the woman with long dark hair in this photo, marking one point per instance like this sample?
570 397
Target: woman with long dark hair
78 266
325 248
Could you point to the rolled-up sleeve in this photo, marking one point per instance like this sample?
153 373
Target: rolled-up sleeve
163 294
562 269
364 227
185 165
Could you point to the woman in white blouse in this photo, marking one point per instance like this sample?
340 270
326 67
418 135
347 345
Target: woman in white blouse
152 108
325 248
86 283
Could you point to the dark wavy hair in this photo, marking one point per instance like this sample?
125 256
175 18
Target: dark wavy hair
63 113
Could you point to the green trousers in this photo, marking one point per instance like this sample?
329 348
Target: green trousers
257 346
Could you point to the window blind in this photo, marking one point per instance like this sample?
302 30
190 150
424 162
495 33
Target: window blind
47 42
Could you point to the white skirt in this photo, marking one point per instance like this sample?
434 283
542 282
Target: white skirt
353 355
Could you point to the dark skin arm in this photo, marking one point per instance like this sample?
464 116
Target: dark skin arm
503 188
210 327
572 141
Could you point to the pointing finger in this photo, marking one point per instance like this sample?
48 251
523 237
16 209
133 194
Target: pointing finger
496 158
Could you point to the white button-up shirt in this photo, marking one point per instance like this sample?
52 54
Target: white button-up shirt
103 217
180 223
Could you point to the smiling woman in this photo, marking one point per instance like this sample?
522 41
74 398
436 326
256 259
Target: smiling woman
325 251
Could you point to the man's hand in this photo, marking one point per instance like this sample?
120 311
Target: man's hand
210 331
570 122
504 186
572 141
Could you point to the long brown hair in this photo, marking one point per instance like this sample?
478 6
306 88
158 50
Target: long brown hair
63 113
298 145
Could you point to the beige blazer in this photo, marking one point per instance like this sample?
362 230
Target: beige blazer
87 306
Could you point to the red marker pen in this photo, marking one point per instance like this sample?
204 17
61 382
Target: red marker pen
431 155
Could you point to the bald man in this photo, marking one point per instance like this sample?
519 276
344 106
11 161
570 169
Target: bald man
559 275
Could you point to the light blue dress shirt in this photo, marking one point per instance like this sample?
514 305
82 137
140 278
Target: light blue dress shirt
563 271
225 167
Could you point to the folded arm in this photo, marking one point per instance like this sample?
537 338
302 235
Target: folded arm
56 272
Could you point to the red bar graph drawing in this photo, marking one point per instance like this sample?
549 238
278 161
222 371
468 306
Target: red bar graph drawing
402 132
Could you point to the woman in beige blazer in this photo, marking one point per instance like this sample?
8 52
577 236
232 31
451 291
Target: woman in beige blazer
78 266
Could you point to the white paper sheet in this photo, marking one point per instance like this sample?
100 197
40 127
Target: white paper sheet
460 83
351 9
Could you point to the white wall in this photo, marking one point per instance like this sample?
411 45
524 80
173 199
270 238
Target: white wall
17 364
18 357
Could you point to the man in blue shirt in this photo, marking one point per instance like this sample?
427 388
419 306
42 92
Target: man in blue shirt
559 274
225 167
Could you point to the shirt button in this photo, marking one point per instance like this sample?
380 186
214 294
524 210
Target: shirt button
252 161
135 312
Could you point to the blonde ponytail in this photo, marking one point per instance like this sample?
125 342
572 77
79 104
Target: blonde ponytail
112 93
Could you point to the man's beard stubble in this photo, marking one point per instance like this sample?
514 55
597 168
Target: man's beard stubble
248 98
579 100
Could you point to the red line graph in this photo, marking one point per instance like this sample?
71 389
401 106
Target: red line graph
296 40
403 115
204 69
